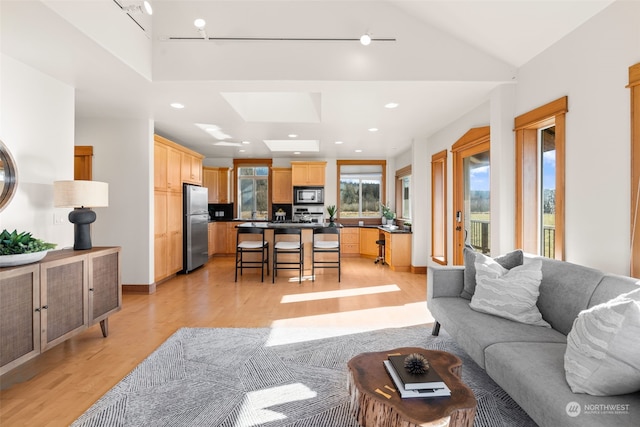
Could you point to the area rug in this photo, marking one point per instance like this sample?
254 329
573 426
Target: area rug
235 377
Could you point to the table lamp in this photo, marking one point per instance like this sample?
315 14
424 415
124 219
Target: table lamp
81 195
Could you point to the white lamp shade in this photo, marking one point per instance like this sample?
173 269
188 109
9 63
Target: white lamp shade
76 194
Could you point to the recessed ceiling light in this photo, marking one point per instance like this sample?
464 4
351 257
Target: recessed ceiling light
338 142
365 39
199 23
312 145
246 142
293 135
391 105
177 105
373 129
296 152
358 151
242 151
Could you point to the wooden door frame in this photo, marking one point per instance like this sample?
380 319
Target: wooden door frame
634 85
476 140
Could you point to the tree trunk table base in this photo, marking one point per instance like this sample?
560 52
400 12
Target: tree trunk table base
372 409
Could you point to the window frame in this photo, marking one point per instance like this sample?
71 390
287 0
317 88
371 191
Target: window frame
240 163
526 127
439 207
339 164
400 175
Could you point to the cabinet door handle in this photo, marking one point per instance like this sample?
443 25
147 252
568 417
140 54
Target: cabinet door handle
37 310
44 307
91 289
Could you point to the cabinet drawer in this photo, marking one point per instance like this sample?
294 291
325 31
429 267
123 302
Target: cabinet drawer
350 237
350 248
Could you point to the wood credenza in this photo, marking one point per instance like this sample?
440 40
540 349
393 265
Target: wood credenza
47 302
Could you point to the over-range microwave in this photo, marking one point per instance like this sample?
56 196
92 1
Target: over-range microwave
308 195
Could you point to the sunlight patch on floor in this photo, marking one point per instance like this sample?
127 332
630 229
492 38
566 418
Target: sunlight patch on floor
254 410
312 296
309 328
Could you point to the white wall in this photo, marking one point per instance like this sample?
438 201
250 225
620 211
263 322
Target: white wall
123 157
36 124
590 66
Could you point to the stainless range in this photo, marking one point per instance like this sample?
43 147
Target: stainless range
308 213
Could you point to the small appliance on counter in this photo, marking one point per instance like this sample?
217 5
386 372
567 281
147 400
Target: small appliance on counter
308 214
281 212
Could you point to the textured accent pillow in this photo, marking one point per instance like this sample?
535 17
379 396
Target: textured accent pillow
603 348
511 294
508 261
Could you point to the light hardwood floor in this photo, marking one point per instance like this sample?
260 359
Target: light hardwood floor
59 385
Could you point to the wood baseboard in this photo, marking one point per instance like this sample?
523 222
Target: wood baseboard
139 289
419 269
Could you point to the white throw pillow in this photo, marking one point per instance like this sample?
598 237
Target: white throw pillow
603 348
511 294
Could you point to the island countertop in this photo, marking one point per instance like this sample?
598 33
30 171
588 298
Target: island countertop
273 225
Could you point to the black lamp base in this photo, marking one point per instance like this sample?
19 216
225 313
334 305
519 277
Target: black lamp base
82 218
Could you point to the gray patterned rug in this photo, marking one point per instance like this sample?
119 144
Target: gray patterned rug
270 377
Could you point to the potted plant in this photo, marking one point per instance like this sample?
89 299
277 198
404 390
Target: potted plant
387 214
21 248
331 210
407 225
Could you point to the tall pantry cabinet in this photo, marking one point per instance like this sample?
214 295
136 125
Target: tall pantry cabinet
173 166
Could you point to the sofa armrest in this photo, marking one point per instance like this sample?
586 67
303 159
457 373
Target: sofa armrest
444 281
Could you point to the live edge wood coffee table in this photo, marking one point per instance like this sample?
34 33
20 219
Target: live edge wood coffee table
367 374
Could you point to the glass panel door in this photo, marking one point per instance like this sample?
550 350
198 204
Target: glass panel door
476 201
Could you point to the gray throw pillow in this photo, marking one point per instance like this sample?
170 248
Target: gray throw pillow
508 261
603 350
511 294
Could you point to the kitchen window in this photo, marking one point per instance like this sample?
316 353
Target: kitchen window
252 185
361 189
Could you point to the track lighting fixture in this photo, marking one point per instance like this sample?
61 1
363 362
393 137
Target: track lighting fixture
140 7
200 24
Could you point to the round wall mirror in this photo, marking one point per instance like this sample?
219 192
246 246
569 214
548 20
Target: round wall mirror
8 176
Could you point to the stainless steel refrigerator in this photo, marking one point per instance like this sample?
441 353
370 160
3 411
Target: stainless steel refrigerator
195 230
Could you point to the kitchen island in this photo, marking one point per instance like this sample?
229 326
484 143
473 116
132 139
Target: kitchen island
307 238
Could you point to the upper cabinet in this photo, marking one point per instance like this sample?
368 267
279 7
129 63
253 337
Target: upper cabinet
308 173
174 164
217 182
282 188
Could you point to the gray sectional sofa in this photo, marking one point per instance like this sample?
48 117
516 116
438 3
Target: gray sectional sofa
528 361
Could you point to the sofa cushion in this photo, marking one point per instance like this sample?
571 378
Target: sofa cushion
565 291
511 294
611 286
533 375
603 348
475 331
508 261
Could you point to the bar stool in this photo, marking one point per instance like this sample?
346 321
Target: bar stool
287 247
323 246
251 245
380 257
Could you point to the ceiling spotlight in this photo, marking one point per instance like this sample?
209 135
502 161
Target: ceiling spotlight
246 142
358 151
142 7
200 24
391 105
177 105
296 152
365 39
338 142
373 129
293 135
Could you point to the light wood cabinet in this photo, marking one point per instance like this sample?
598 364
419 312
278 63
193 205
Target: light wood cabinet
282 185
397 250
211 238
173 166
46 303
350 240
368 237
308 173
191 168
217 182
